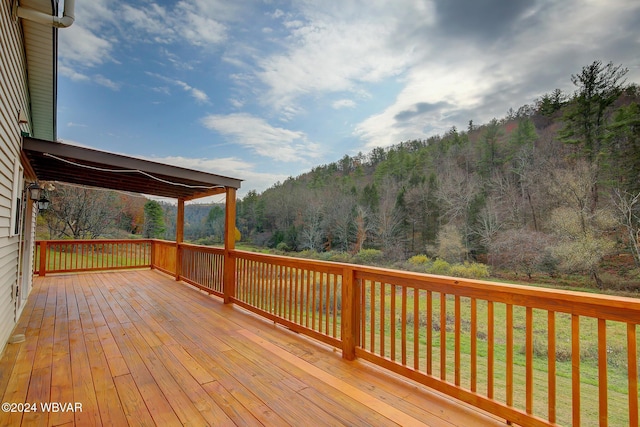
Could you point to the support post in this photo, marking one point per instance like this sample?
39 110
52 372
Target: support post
43 258
229 279
179 237
350 314
152 253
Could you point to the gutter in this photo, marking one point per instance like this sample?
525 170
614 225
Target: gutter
65 21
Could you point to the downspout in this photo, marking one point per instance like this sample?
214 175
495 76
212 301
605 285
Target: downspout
42 18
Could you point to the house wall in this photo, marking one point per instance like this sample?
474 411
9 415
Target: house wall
13 97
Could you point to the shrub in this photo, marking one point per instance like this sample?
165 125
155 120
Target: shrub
440 266
282 246
419 259
470 270
369 256
339 256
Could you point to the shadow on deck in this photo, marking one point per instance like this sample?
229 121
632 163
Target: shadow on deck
139 348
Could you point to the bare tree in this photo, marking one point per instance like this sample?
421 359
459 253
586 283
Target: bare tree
451 247
312 229
520 250
80 212
364 227
340 220
581 230
389 222
488 224
456 191
628 215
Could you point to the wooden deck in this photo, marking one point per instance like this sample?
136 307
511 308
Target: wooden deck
138 348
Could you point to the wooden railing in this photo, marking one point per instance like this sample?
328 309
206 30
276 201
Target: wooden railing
61 256
203 267
305 295
529 355
164 256
532 356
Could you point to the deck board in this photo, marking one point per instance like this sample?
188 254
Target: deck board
138 348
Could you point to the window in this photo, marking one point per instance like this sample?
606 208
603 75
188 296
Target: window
16 204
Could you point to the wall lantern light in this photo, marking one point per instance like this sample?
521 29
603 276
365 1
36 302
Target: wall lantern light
36 194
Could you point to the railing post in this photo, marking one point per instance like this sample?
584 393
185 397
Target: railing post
350 314
179 237
152 253
229 279
43 258
178 260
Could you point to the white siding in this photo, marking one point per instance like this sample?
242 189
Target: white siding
13 97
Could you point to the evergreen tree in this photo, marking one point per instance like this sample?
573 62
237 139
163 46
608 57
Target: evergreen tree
154 227
622 136
598 87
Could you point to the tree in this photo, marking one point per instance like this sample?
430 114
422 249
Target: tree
582 232
252 211
525 133
214 223
311 234
388 221
585 119
364 227
80 212
622 136
628 215
154 227
131 215
339 221
549 103
598 87
491 153
520 250
451 247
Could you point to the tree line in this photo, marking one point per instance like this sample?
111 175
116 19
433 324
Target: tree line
552 187
90 213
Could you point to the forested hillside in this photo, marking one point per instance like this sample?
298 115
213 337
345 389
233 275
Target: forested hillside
552 187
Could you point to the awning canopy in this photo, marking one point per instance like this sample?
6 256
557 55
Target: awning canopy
55 161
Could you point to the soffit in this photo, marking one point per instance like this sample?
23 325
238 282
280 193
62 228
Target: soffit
40 43
55 161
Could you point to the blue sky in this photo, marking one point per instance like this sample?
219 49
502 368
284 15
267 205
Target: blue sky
266 89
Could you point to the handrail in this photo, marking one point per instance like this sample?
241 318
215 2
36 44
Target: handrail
533 356
511 350
64 256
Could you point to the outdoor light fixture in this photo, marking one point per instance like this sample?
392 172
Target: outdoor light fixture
34 191
43 203
36 194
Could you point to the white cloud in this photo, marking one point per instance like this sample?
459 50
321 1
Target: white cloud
266 140
457 88
151 20
192 21
199 95
72 74
79 46
162 89
198 28
103 81
343 103
337 49
225 166
236 103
